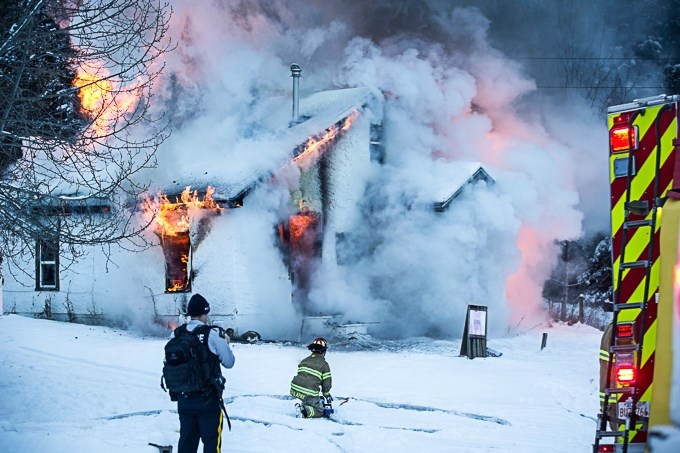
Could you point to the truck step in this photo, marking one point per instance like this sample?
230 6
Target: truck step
629 306
637 207
632 264
637 223
617 390
625 348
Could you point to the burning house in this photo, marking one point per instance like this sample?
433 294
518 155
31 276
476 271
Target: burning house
248 238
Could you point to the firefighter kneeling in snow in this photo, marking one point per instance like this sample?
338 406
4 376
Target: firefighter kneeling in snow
313 373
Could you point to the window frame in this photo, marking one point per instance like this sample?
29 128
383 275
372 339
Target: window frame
165 245
42 244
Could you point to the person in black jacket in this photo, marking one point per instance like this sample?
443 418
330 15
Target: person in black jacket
200 413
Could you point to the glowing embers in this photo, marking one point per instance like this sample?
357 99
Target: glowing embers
301 239
177 252
172 221
302 228
315 145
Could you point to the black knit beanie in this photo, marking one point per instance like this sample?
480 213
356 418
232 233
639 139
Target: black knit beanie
197 306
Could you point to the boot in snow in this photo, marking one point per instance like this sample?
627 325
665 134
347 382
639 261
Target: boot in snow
302 409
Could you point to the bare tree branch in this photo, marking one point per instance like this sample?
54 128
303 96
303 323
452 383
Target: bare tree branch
77 124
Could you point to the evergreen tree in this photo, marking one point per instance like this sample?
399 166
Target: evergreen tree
584 272
672 45
36 71
596 280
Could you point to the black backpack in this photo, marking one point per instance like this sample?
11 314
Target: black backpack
189 365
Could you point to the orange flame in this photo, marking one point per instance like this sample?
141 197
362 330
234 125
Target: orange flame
299 224
313 146
177 285
172 218
101 99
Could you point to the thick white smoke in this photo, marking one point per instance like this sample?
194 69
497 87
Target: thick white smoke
449 99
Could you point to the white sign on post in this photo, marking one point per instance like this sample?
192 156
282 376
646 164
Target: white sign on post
474 332
477 322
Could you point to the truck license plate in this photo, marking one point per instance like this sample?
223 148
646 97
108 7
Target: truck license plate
641 409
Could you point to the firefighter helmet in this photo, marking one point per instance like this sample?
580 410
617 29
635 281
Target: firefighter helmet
318 345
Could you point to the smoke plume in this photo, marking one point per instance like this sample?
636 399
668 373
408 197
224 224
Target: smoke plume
450 97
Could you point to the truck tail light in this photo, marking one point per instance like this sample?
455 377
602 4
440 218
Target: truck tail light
625 369
624 330
625 374
605 448
623 137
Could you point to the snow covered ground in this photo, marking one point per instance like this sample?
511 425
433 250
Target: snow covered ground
75 388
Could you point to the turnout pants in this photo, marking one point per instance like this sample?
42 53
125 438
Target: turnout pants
313 406
199 418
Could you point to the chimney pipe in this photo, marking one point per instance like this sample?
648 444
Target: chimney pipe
295 73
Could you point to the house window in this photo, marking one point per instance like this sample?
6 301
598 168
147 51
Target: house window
177 252
376 146
304 247
47 265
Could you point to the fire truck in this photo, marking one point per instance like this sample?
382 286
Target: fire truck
636 355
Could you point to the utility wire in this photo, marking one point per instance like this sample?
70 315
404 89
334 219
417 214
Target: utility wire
596 58
602 87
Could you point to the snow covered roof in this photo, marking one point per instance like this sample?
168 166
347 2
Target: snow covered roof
233 179
77 203
463 174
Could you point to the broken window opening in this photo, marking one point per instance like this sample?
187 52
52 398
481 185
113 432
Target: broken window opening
177 253
47 264
376 146
173 223
301 239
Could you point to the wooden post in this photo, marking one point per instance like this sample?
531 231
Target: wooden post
580 310
544 341
565 256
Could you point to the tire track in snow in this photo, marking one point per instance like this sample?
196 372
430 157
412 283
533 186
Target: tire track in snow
81 361
410 407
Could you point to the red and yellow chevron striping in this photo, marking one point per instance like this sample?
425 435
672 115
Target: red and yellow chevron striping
652 164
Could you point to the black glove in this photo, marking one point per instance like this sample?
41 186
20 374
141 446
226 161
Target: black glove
329 399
